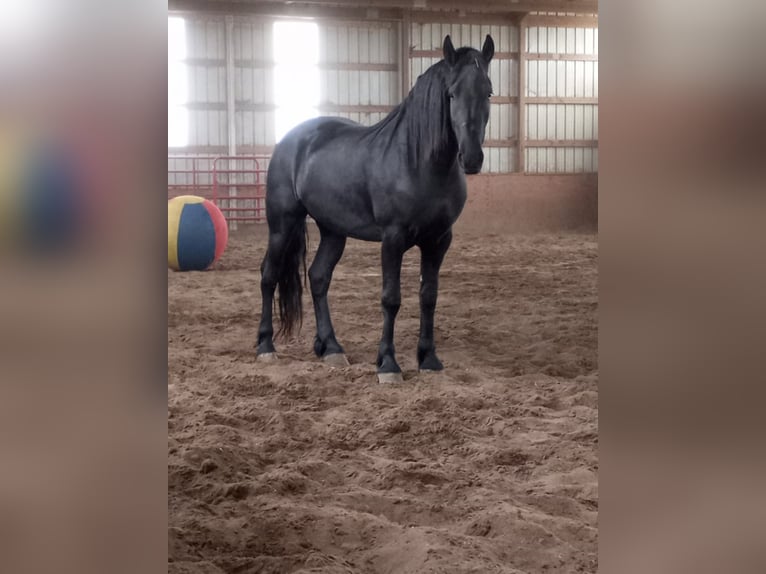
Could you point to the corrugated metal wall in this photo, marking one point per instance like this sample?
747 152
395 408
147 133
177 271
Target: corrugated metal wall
206 103
552 77
359 70
502 129
254 82
207 106
360 79
206 65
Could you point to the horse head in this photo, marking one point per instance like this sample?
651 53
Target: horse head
469 89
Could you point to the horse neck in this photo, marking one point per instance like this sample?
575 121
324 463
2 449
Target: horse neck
430 139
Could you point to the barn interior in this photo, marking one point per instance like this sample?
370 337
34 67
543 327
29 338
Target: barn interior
241 72
294 465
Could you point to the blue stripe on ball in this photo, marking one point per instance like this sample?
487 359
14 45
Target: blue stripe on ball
196 238
49 202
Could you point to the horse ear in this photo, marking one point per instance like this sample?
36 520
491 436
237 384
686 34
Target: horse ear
449 51
488 50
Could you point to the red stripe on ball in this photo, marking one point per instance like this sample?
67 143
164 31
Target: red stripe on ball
221 228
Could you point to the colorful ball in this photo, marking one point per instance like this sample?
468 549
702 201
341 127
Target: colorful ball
43 207
197 233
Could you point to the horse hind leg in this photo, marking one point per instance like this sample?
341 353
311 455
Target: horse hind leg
265 350
280 267
328 254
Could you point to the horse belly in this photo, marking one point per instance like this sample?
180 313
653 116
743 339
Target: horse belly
341 209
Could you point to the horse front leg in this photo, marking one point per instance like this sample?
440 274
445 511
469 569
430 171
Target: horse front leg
432 255
392 251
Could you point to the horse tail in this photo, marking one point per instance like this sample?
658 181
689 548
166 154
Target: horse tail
290 283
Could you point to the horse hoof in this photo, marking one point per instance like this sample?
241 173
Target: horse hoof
390 378
267 357
335 360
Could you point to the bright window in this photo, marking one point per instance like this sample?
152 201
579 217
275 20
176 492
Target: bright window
178 115
296 74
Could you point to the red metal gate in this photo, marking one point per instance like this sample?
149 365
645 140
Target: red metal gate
239 187
190 175
236 184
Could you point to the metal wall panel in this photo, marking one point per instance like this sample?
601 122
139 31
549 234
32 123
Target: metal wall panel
254 82
346 53
562 121
359 66
206 68
504 73
341 46
556 78
561 159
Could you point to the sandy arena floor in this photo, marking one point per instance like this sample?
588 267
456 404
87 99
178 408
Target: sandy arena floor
297 467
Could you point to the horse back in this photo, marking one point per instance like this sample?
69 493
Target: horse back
356 184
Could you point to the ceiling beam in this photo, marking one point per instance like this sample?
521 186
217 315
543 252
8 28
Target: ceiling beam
276 9
377 9
581 6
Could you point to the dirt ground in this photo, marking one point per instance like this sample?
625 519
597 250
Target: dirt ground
490 466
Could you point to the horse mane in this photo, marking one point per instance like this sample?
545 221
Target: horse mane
425 115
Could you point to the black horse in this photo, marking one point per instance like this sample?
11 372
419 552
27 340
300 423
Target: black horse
400 182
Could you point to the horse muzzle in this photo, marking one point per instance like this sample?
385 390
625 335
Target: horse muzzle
472 163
